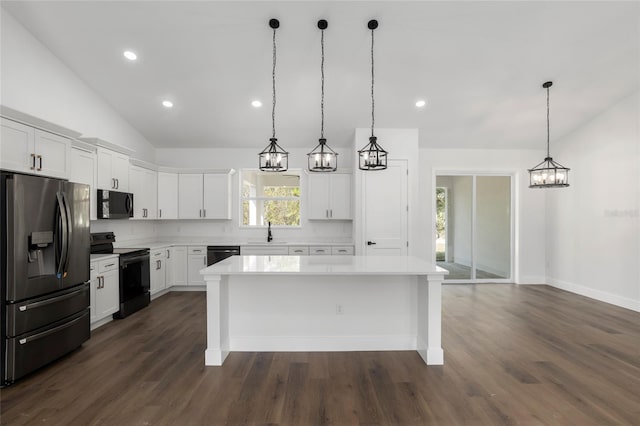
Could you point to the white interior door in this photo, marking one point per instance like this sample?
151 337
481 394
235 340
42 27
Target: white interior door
386 210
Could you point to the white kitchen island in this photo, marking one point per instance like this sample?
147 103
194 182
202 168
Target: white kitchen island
323 303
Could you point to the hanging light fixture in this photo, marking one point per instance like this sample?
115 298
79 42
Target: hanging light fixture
322 158
273 158
548 174
372 156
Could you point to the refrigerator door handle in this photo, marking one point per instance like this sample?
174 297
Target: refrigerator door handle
69 232
63 233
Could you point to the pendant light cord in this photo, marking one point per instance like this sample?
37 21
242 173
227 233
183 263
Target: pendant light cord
273 79
548 123
322 85
373 105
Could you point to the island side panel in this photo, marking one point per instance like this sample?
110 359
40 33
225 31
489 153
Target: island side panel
217 319
430 319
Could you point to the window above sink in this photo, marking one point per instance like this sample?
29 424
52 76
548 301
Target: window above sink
270 197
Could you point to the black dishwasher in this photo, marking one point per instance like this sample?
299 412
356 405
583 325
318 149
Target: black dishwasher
217 253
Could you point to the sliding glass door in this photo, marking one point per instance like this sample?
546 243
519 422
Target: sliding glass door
474 227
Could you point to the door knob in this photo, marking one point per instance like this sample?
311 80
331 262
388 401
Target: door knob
370 243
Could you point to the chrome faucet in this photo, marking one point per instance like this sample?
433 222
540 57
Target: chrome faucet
269 236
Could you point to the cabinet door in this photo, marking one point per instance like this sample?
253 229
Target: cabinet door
84 171
168 267
157 272
340 197
217 196
108 297
17 146
190 196
195 263
180 276
151 193
167 195
138 191
120 171
318 196
93 289
53 153
105 178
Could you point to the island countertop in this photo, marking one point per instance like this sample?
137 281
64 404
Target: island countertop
323 265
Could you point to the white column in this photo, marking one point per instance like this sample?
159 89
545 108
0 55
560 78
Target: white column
430 319
217 319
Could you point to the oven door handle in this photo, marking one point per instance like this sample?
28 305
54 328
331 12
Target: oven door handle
124 261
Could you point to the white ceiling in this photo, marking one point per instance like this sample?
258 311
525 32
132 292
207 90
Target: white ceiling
479 65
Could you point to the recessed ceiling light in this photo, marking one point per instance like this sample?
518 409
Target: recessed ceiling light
130 55
167 104
256 104
421 103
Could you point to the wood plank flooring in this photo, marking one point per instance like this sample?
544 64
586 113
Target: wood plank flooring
529 355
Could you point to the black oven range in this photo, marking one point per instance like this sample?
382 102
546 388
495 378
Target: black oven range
135 280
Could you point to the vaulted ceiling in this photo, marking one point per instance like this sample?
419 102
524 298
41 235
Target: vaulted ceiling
479 65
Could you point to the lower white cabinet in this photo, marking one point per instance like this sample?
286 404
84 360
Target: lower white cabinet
168 269
179 266
157 270
264 251
105 289
196 260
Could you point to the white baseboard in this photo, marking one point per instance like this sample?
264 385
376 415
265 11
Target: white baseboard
602 296
101 322
322 343
189 288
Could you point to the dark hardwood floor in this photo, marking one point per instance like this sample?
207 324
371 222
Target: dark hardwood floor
513 355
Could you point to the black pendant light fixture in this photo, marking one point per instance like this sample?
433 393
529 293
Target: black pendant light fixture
548 174
372 156
322 158
273 158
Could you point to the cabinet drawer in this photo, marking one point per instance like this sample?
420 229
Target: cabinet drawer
108 265
298 251
197 250
157 254
344 251
264 251
320 250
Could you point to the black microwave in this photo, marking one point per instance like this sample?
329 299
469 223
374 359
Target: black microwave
114 204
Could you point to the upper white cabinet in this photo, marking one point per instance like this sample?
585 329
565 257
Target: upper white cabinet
84 171
144 186
167 195
113 170
30 150
204 196
329 196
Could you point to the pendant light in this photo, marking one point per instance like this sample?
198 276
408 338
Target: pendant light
273 158
548 174
322 158
372 156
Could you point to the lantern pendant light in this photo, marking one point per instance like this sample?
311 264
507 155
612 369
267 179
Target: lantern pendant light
322 158
273 158
548 174
372 156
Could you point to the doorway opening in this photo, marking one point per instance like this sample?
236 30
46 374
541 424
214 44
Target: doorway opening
474 227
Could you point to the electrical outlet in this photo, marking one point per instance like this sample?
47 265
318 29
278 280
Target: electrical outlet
339 310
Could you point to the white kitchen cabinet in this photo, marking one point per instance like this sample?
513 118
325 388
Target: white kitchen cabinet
84 171
262 250
105 289
320 251
168 266
196 260
342 250
113 170
298 251
204 196
143 183
329 196
29 150
167 195
179 257
157 270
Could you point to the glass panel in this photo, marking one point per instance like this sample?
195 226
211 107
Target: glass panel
453 225
271 197
493 222
278 212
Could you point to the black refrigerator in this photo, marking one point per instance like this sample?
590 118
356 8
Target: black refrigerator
44 250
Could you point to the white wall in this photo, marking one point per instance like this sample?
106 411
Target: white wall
35 82
593 231
529 204
310 230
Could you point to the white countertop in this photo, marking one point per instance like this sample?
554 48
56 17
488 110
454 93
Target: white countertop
158 244
101 256
323 265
